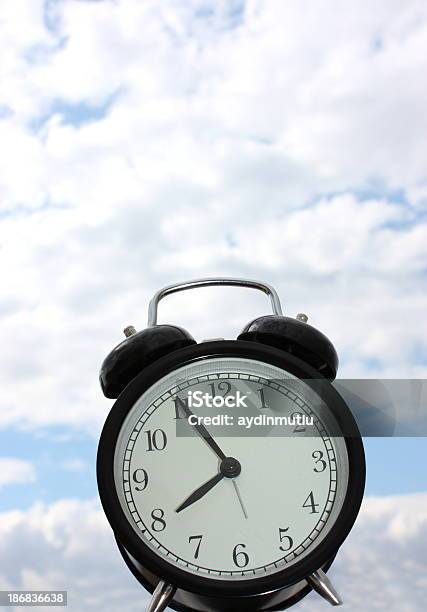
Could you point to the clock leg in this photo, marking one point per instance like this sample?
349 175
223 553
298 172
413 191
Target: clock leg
162 595
321 584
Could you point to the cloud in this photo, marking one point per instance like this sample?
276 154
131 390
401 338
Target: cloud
68 545
218 139
383 562
16 471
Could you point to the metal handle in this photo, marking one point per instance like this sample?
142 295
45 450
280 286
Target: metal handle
210 282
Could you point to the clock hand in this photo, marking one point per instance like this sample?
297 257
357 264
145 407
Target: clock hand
201 429
229 468
200 492
240 498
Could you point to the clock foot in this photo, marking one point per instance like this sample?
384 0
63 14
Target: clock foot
321 584
162 595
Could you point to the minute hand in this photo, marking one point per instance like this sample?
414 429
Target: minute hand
201 429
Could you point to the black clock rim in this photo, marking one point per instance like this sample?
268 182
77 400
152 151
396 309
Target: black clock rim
288 603
125 533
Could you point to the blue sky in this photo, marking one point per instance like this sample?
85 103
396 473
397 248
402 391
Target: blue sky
64 467
144 143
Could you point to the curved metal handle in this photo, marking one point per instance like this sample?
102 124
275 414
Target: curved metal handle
210 282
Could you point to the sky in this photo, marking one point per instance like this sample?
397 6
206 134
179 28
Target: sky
146 143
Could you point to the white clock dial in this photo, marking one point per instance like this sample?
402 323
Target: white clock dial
275 511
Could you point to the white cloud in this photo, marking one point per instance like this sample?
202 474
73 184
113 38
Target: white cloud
253 143
383 563
16 471
68 545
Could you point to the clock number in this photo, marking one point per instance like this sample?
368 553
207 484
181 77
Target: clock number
199 537
318 456
157 440
309 503
244 558
158 524
262 398
141 481
297 428
180 406
282 537
222 386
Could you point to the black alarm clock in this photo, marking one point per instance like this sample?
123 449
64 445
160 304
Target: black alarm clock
210 522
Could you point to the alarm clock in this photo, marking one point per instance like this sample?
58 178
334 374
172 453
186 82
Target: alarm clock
209 521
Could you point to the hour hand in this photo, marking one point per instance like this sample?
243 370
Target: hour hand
200 492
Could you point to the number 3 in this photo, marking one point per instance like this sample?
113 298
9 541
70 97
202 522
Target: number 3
318 456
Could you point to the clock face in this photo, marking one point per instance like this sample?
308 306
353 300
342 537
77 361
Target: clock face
263 509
